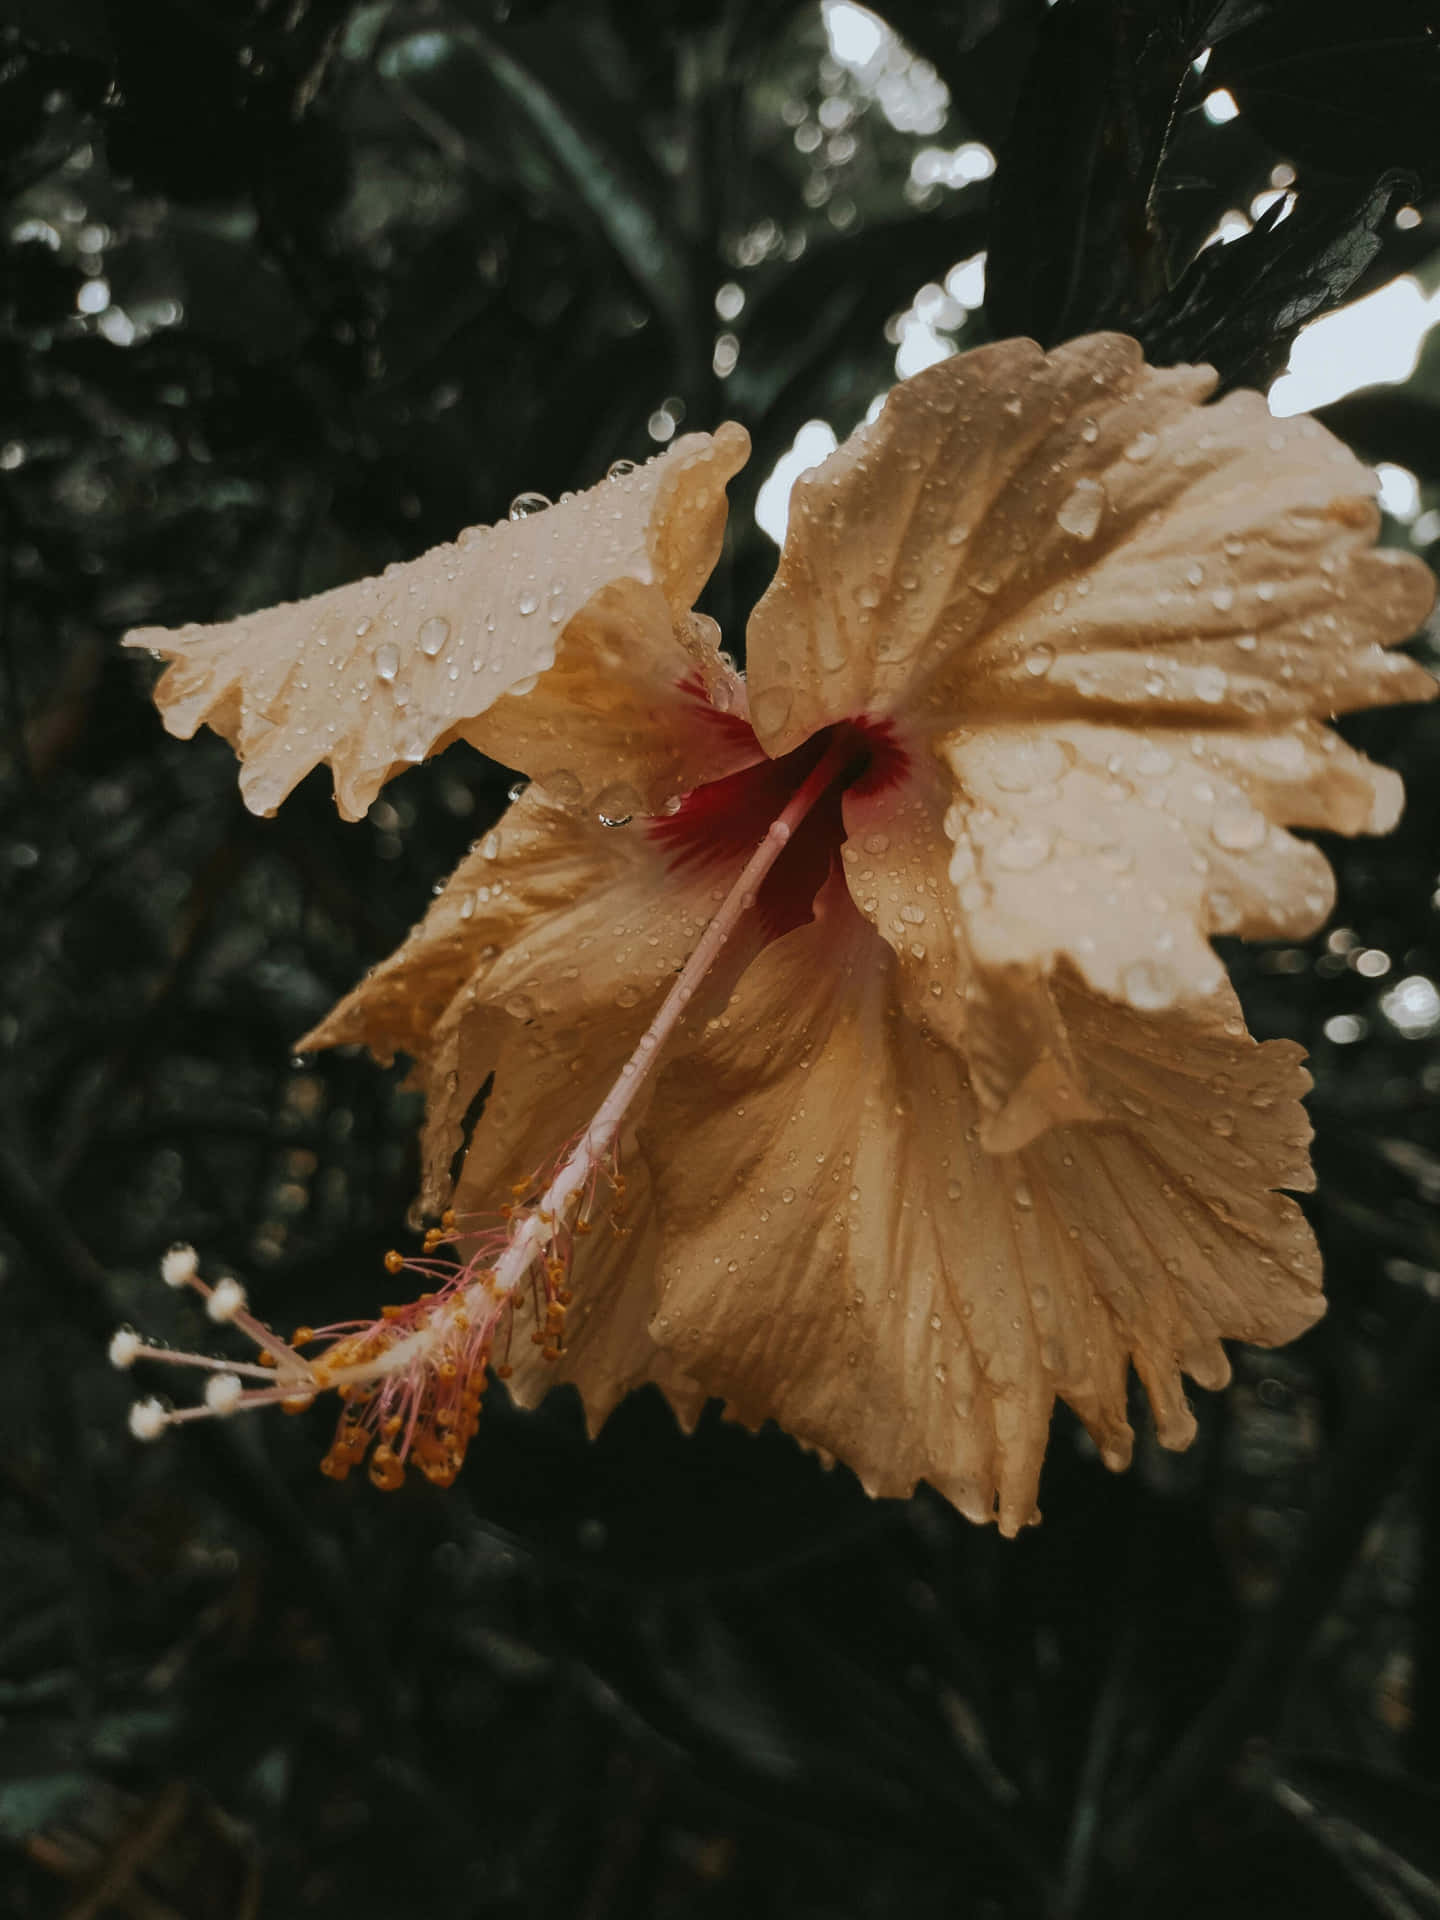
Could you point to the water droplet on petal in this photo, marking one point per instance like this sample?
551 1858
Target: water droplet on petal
527 603
1211 684
433 636
1148 986
1025 850
771 708
387 661
1028 764
1082 509
1039 660
562 785
1239 828
1141 447
619 469
832 645
617 805
524 504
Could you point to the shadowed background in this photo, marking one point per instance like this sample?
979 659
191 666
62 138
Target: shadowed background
289 290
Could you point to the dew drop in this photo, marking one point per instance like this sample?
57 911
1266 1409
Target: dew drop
1082 509
616 806
1148 986
433 636
1211 684
619 469
1141 447
1039 660
1024 850
771 708
563 786
524 504
362 627
787 1194
387 661
527 603
1239 829
868 596
628 996
832 646
1030 764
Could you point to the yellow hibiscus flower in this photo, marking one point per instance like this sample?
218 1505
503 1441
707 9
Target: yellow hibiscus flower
854 1044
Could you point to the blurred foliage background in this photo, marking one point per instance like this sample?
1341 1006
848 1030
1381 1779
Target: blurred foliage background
292 288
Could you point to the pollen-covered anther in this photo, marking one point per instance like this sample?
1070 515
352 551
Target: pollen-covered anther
223 1392
125 1346
387 1470
179 1265
227 1299
148 1419
394 1262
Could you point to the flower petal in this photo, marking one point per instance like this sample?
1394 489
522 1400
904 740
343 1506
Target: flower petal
1074 533
1001 1017
554 934
374 676
839 1253
537 970
1123 851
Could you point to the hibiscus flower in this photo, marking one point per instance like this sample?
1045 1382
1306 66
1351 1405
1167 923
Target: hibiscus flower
849 1038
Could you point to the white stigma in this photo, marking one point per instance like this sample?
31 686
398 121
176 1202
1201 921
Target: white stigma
226 1300
179 1266
222 1393
148 1420
125 1343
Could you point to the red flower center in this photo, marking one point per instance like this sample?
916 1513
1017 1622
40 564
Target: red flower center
719 825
